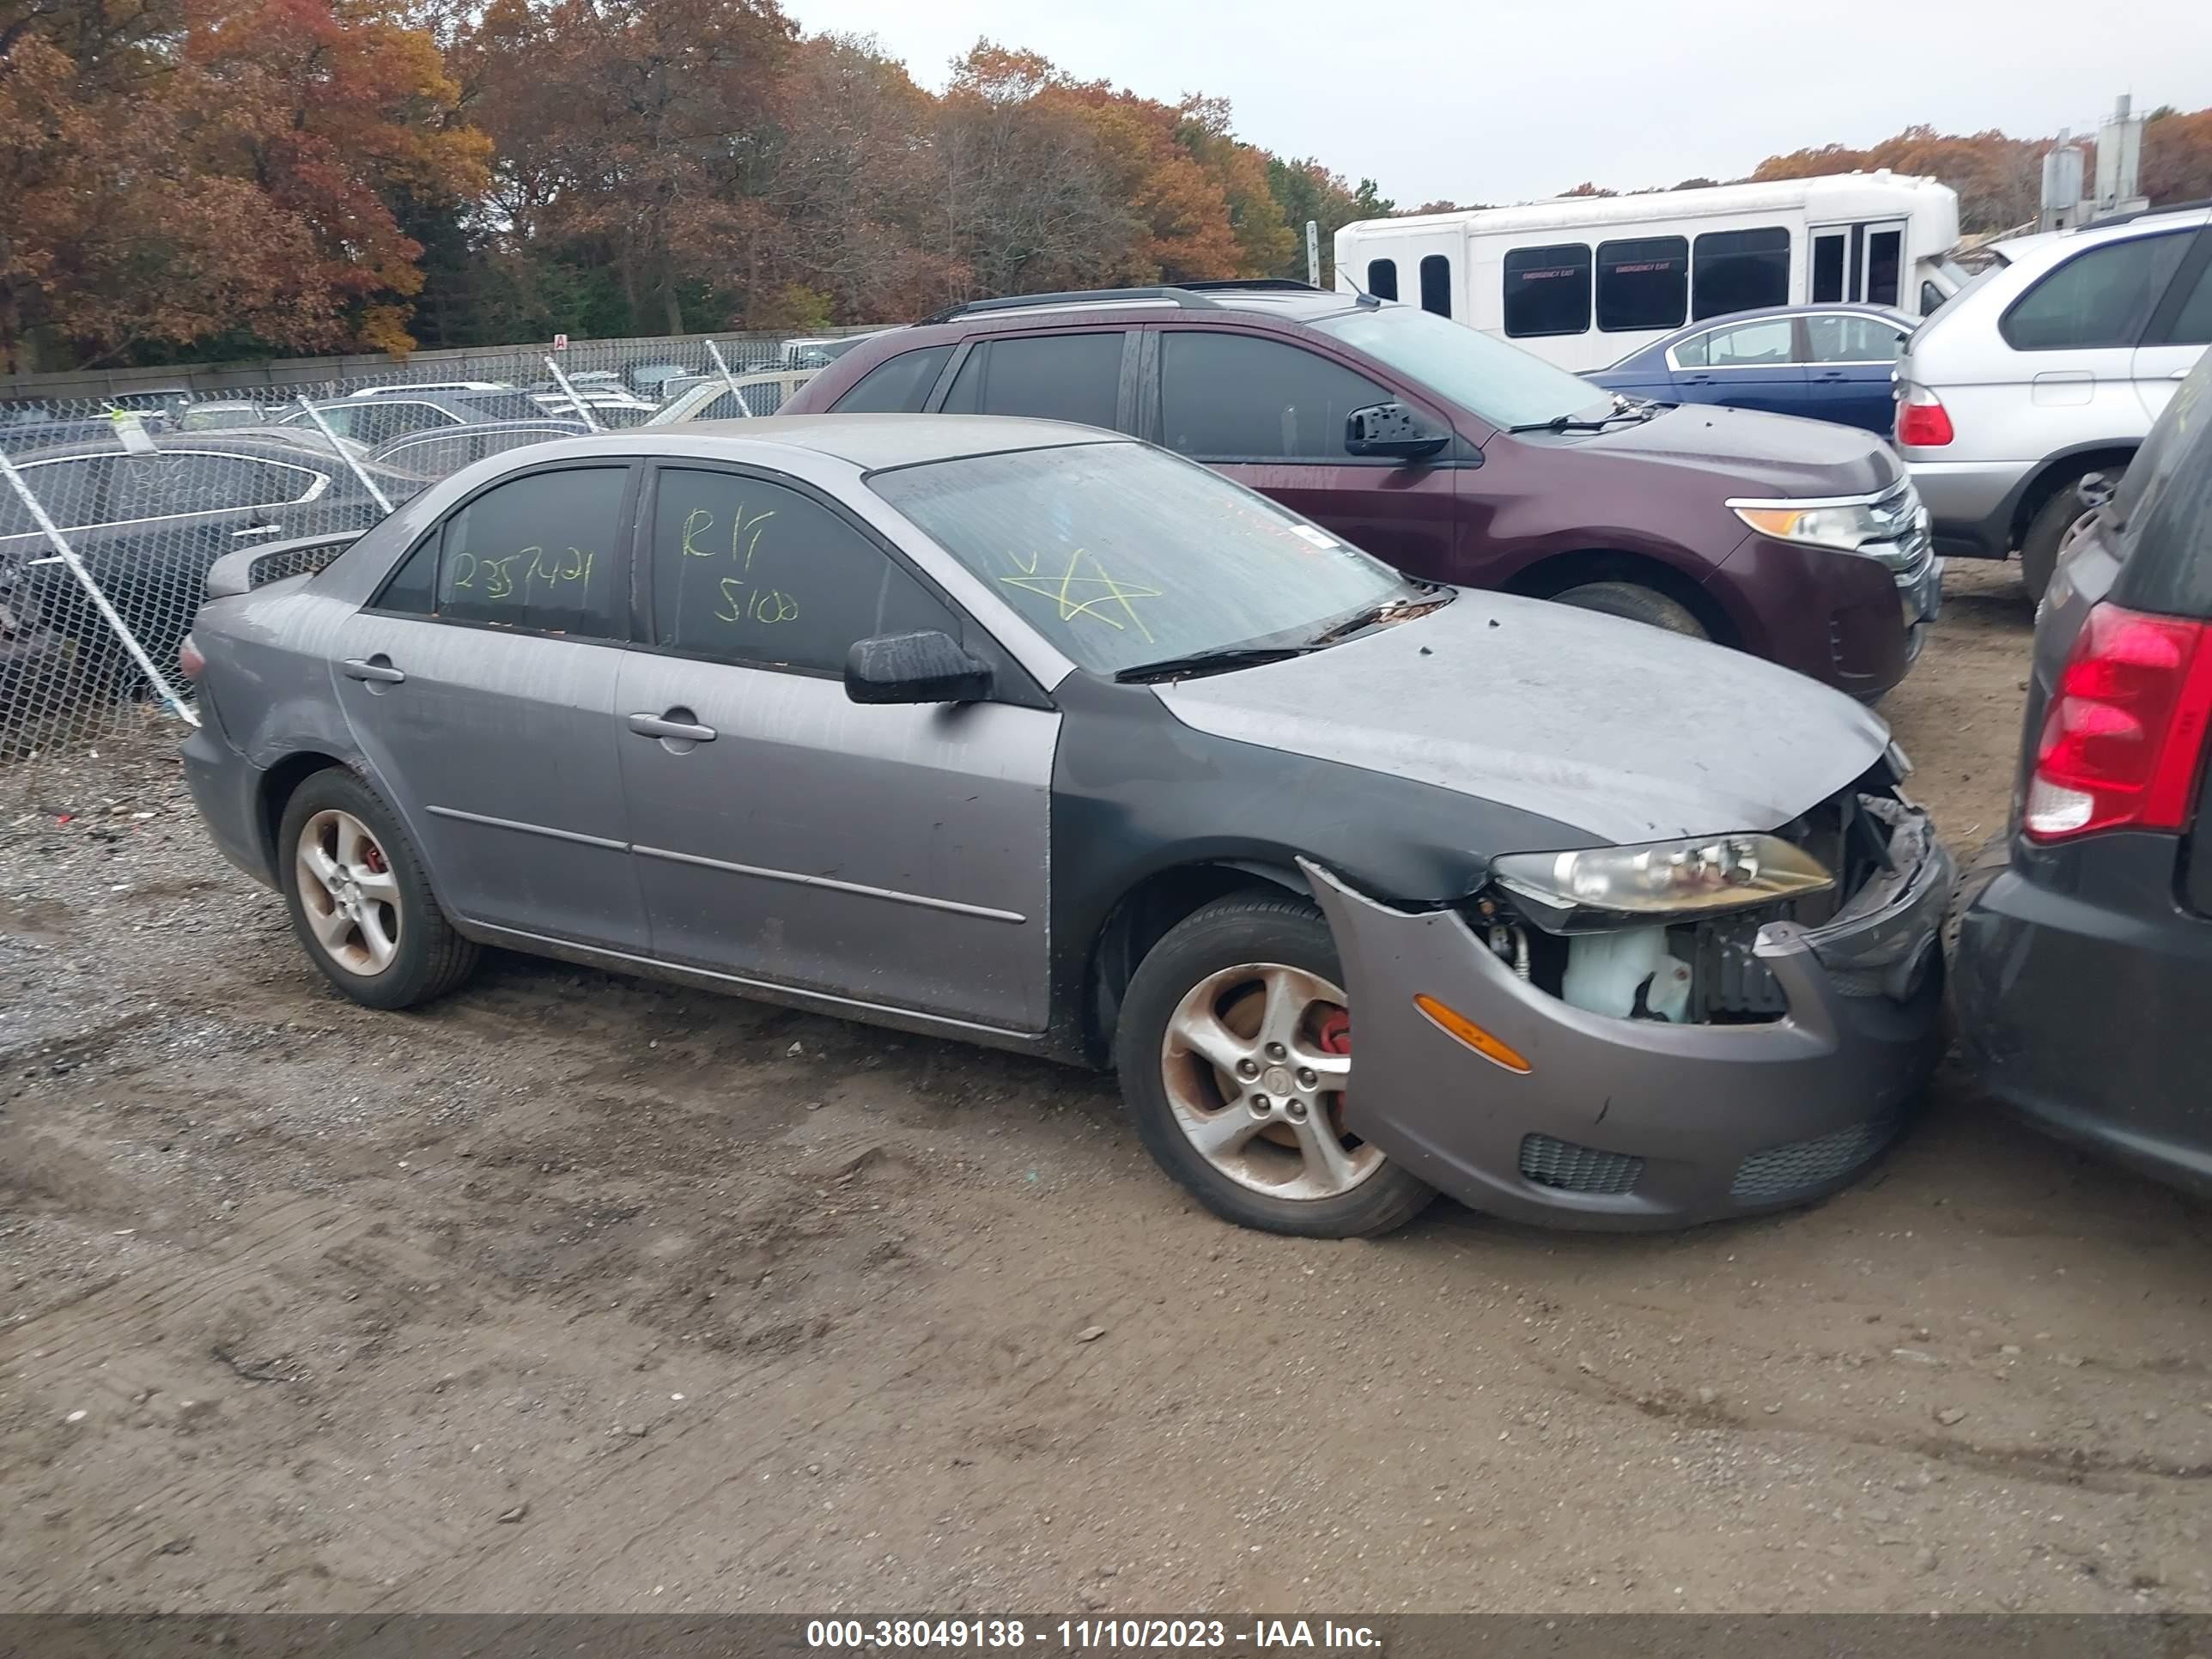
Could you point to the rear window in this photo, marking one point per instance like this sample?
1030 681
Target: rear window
2163 508
897 386
2100 298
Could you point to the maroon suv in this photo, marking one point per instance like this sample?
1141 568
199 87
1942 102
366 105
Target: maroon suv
1459 457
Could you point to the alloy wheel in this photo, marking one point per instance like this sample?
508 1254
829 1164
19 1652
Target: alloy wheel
348 891
1256 1060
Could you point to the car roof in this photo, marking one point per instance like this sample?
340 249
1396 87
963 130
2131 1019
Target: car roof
1300 304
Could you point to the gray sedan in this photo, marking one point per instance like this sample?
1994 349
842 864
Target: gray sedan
1032 736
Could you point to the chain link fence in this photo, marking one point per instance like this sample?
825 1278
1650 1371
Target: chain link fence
113 509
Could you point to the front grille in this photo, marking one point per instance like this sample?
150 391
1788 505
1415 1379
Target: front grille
1780 1172
1573 1168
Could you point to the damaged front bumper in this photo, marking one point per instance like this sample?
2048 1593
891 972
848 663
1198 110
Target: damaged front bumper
1634 1123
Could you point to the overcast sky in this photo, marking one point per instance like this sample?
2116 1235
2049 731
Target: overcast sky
1518 99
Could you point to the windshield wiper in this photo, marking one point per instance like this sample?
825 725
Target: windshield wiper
1218 660
1388 610
1623 409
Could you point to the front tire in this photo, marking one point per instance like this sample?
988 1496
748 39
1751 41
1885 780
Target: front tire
1234 1050
359 901
1637 604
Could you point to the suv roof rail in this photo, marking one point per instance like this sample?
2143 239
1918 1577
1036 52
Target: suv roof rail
1083 296
2197 206
1250 284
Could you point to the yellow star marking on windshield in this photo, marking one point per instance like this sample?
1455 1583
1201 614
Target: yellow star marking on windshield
1063 589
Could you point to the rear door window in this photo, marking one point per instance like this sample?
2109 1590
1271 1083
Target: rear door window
545 551
1764 345
1053 377
1382 278
1844 338
898 385
1239 398
2099 298
1547 290
1643 283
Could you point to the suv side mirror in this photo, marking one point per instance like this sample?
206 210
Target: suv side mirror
924 668
1391 429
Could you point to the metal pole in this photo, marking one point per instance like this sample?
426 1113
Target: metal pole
345 454
581 407
1312 252
730 380
69 557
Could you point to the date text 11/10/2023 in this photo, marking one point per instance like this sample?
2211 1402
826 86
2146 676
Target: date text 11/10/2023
1091 1633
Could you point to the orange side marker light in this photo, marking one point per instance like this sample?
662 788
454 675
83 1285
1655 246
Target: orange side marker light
1452 1022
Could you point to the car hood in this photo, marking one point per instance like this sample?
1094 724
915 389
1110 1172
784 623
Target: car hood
1756 454
1617 729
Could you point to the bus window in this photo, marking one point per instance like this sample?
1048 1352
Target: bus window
1884 251
1739 270
1828 267
1644 283
1436 284
1382 278
1547 290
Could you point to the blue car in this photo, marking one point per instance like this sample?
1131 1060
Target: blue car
1830 362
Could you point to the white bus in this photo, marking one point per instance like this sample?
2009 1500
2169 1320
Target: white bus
1584 281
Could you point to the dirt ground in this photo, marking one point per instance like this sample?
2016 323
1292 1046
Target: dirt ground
575 1293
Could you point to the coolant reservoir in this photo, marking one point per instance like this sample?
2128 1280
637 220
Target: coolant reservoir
1606 970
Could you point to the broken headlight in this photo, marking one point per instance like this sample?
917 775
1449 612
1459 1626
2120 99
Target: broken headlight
1701 875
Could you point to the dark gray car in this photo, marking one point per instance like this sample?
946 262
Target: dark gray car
1029 735
2084 955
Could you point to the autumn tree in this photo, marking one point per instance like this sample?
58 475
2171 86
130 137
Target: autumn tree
1307 190
639 133
184 173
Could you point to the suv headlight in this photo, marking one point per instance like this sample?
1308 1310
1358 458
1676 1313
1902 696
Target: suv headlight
1888 528
1697 877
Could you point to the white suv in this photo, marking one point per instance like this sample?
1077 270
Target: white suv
2046 367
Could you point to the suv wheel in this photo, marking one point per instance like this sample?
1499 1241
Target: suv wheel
2048 531
1638 602
1234 1048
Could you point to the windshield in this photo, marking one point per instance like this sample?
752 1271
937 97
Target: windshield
1501 383
1122 555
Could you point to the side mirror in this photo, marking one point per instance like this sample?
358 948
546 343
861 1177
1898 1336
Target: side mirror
1391 429
2093 491
924 668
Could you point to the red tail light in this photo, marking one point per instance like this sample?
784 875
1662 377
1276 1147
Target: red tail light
1922 422
189 659
2124 740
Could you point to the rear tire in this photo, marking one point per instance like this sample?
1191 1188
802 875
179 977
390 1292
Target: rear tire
369 920
2047 534
1637 604
1229 1041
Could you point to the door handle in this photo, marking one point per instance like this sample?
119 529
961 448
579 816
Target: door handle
666 726
378 669
257 530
